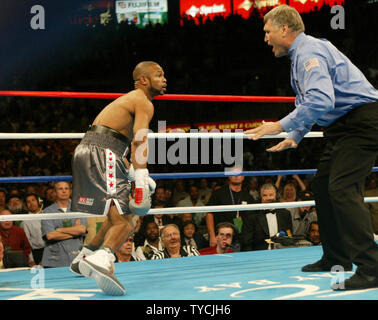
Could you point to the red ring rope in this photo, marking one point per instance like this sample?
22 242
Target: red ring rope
176 97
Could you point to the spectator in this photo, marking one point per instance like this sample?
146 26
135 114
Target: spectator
291 187
16 204
3 198
125 252
289 194
15 239
187 216
33 228
168 196
190 236
159 195
231 193
50 196
193 200
64 237
313 234
179 192
160 219
253 188
224 234
304 216
262 225
204 191
165 218
152 243
170 236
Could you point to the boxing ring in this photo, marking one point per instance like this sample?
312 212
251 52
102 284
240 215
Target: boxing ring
255 275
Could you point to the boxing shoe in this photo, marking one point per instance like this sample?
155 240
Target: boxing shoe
100 266
74 267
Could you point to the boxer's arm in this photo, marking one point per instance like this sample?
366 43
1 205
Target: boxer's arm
139 146
144 185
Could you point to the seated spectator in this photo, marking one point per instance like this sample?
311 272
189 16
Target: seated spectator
3 198
204 191
125 252
231 193
187 216
152 243
179 192
168 196
313 234
160 219
289 194
15 240
165 219
225 235
159 194
50 196
170 236
16 205
193 200
294 182
253 188
302 218
33 228
64 237
190 236
261 225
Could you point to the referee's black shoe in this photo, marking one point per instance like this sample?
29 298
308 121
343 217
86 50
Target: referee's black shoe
358 281
323 266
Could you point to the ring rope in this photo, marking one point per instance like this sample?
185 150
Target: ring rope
183 175
174 97
174 210
160 135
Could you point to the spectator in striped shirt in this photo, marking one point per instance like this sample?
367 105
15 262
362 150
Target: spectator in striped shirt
170 235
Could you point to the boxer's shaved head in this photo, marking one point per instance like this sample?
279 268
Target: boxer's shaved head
143 69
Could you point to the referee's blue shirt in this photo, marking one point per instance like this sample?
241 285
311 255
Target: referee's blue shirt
326 83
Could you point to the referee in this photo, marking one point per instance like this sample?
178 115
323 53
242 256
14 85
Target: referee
333 93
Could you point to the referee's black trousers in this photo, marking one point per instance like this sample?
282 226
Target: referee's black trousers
351 149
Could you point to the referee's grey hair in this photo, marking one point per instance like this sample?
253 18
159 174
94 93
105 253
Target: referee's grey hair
285 15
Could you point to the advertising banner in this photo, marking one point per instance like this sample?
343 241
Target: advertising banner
142 12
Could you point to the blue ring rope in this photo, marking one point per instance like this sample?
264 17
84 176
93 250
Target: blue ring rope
184 175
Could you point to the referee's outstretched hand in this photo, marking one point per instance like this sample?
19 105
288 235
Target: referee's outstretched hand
264 129
283 145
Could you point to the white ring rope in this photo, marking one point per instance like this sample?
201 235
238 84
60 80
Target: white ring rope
160 135
173 210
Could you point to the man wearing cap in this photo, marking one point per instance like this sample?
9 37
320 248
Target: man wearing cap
303 217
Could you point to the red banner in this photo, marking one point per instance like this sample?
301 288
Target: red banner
205 8
303 6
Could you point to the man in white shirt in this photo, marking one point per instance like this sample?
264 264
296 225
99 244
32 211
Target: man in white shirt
33 228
